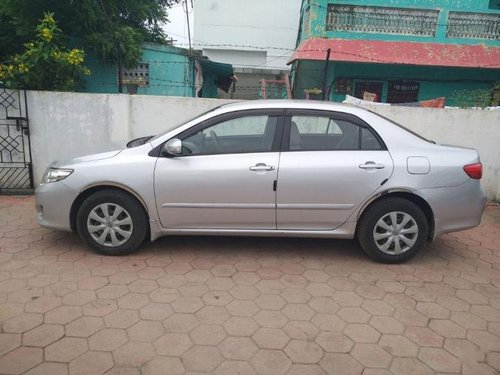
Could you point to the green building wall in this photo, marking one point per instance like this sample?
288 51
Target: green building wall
433 81
314 12
170 73
103 77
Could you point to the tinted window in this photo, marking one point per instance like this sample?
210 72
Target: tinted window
239 135
369 141
317 133
316 125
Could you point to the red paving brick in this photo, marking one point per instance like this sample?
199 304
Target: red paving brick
245 305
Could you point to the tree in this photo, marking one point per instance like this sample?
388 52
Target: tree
44 64
113 29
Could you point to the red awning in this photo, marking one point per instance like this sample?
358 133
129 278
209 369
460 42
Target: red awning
406 53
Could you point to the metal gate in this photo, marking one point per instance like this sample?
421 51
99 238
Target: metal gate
16 174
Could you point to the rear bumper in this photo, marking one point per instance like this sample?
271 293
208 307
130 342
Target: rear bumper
456 208
53 204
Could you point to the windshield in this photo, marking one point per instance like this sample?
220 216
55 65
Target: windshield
183 122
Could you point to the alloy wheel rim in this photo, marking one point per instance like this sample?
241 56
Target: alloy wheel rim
110 225
395 233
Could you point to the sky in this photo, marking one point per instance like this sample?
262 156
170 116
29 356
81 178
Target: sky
177 28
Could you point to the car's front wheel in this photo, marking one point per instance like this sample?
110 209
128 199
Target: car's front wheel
392 230
112 222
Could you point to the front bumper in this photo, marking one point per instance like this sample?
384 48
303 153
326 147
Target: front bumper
53 204
456 208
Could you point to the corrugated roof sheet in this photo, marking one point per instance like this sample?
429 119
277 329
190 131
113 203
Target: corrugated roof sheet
404 53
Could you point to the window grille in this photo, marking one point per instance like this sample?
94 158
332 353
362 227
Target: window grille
383 20
138 75
473 25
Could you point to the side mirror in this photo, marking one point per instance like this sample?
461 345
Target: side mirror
172 147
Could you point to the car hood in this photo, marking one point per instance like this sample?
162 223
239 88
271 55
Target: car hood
86 158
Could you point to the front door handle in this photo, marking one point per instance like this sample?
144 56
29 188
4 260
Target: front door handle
259 167
372 165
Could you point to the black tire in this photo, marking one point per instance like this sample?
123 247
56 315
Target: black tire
379 210
132 209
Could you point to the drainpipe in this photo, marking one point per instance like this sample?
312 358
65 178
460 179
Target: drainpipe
190 54
193 70
330 88
120 67
325 85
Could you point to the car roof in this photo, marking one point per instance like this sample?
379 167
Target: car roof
291 104
379 123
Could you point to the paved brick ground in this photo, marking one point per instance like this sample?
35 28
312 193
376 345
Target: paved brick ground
245 305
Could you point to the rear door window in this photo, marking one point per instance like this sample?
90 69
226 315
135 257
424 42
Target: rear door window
324 133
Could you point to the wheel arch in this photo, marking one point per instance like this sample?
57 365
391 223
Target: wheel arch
404 194
91 189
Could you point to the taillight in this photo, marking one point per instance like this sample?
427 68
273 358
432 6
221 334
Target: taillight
474 170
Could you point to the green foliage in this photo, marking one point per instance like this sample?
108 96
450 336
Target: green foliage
101 26
496 95
44 64
481 98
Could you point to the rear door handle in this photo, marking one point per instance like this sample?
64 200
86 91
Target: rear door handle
372 165
259 167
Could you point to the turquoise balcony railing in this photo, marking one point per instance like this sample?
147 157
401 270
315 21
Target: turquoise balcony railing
383 20
473 25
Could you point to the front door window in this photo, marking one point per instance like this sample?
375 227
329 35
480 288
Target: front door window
235 136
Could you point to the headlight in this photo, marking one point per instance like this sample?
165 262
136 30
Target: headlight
55 174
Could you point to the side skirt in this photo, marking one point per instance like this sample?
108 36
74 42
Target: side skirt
345 231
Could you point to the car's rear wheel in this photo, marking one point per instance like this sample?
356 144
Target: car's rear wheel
112 222
392 230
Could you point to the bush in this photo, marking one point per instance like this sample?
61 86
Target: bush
481 98
45 64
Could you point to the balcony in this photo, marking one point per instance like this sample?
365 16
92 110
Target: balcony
473 25
382 20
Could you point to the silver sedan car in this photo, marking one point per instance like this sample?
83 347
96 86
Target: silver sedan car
270 168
